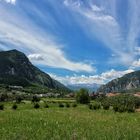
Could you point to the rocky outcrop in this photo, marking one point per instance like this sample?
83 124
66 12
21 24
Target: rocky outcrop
127 82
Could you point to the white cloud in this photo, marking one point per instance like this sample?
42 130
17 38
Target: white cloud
35 57
10 1
76 3
21 32
92 79
101 21
135 64
95 8
112 74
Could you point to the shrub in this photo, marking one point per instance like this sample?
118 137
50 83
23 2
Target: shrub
137 102
36 106
1 107
96 106
35 99
115 108
46 106
74 105
82 96
61 105
14 107
105 104
130 108
18 99
106 107
90 106
3 97
67 105
124 103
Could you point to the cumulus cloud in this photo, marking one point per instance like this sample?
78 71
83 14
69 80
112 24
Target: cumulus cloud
91 79
35 57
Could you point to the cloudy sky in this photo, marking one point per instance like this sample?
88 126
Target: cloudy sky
75 41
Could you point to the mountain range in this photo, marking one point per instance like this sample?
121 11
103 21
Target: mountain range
127 83
90 87
17 70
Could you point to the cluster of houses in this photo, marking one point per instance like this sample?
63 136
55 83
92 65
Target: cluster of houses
55 95
71 95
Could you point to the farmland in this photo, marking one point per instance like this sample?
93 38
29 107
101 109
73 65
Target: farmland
73 123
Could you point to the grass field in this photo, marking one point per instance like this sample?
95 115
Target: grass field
54 123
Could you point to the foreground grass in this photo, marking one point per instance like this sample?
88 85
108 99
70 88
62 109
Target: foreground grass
56 123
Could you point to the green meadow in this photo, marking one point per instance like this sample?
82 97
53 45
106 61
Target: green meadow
73 123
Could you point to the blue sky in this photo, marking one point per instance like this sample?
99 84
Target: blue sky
75 41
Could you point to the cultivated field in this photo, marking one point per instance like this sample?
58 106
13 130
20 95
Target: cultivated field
74 123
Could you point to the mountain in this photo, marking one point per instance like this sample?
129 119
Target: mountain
128 83
17 70
90 87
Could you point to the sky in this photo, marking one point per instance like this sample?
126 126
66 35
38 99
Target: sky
75 41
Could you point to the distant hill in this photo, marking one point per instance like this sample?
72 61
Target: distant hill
128 83
17 70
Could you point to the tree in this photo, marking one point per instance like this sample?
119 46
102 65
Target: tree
3 97
82 96
35 99
19 99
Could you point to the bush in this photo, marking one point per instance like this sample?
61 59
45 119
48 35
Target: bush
130 108
115 108
90 106
36 106
96 106
1 107
137 102
46 106
61 105
74 105
18 99
67 105
124 103
3 97
82 96
35 99
14 107
105 104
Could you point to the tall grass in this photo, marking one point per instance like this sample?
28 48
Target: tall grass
78 123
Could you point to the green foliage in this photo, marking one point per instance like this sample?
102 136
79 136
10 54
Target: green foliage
3 97
19 99
36 106
35 99
105 104
94 106
66 124
90 106
123 103
74 105
67 105
1 107
46 105
137 102
82 96
61 105
14 107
